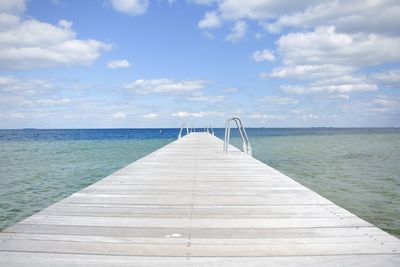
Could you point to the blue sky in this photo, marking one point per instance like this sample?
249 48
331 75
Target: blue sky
138 63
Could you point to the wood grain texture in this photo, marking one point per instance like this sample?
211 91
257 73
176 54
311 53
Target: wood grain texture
188 204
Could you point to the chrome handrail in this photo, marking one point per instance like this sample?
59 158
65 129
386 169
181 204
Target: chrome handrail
209 129
180 131
242 132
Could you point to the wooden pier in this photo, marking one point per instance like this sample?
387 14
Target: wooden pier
188 204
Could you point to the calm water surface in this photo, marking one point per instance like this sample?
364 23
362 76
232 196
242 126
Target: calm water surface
358 169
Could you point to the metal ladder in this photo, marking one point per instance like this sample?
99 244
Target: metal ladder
209 130
242 132
184 125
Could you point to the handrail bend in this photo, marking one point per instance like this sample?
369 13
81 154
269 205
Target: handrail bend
242 132
209 129
180 131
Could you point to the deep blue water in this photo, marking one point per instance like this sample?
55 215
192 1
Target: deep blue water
165 133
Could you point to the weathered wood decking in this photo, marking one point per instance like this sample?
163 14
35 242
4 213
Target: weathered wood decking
188 204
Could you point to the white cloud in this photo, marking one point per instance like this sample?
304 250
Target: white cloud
184 114
116 64
263 55
12 6
381 104
150 116
12 115
34 44
391 77
131 7
344 85
53 101
310 116
239 11
259 9
339 85
203 98
347 16
20 86
331 60
238 31
165 86
119 115
210 20
326 46
278 100
262 116
307 72
297 111
8 21
17 115
386 102
201 114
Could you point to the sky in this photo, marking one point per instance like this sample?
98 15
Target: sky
150 64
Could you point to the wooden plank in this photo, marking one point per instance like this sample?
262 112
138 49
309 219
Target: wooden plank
188 204
56 259
182 239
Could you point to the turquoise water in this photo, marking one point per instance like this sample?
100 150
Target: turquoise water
35 174
360 172
358 169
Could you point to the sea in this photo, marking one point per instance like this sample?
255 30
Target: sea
356 168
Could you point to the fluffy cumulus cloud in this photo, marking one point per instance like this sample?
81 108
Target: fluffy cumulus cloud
143 87
131 7
118 64
326 46
385 104
238 11
238 31
322 47
53 101
199 97
348 16
263 117
119 115
380 104
200 114
210 20
339 85
259 9
12 115
24 86
388 78
307 72
333 60
12 6
150 115
28 44
263 55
